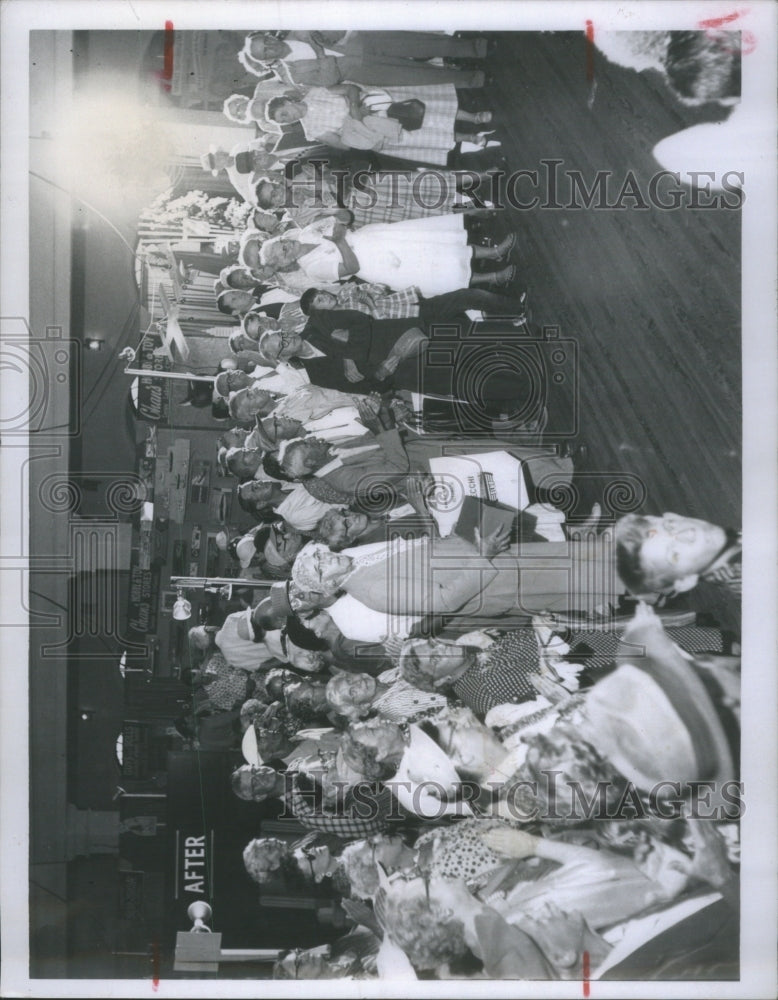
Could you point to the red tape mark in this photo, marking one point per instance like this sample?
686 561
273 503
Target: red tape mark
719 22
586 973
589 51
713 24
155 966
165 75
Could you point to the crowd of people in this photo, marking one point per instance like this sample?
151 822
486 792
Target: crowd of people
495 738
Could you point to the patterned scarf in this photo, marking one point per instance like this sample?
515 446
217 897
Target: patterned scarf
320 490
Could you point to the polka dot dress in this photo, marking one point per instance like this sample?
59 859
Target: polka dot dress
459 852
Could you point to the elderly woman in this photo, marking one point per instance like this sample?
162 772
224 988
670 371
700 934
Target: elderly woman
372 750
350 957
451 576
432 254
310 858
347 116
356 696
360 859
481 678
382 57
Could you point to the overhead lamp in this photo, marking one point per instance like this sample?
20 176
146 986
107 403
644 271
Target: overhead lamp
182 609
94 343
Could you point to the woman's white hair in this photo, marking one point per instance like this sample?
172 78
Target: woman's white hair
303 572
284 446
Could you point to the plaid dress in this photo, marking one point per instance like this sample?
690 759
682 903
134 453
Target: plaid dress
388 195
401 195
435 139
357 820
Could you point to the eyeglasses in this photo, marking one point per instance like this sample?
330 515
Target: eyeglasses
279 533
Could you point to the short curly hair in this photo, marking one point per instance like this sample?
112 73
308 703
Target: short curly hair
416 669
359 868
263 857
429 934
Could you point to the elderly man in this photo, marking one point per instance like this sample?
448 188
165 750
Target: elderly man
671 554
358 471
254 400
269 549
449 576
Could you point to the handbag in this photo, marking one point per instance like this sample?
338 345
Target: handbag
410 114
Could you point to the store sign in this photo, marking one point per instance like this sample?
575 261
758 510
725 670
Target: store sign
144 598
153 393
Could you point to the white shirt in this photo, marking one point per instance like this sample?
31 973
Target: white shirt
280 380
339 424
241 653
302 50
356 621
301 510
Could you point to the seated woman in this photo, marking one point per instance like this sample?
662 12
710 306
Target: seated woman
220 686
372 750
355 696
310 859
480 677
345 116
441 928
360 859
433 254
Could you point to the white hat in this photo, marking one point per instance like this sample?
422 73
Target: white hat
245 551
249 747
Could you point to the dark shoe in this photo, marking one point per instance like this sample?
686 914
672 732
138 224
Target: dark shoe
503 277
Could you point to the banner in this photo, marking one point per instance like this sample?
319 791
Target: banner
153 393
143 601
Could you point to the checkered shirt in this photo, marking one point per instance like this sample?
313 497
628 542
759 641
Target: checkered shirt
326 112
502 676
357 820
392 305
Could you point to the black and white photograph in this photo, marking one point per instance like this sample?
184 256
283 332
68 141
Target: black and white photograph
389 499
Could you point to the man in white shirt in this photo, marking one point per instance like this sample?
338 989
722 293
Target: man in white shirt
237 642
